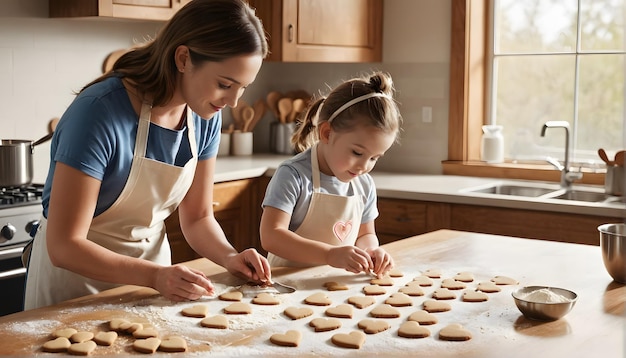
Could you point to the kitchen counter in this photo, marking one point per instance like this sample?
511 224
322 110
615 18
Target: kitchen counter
594 327
436 188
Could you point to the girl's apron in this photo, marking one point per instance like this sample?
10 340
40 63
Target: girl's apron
332 219
133 226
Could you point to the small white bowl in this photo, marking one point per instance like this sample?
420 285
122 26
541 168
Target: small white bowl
544 311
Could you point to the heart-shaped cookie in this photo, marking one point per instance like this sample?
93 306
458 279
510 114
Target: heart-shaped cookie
443 294
145 333
265 298
474 296
64 332
130 327
290 338
340 311
504 280
433 273
335 286
231 296
464 276
196 311
361 301
412 329
218 321
374 290
423 318
422 280
318 299
384 311
83 348
80 337
382 281
57 345
452 284
399 299
454 332
488 287
173 344
238 308
325 324
149 345
412 290
354 339
433 306
394 272
116 323
105 338
371 326
298 312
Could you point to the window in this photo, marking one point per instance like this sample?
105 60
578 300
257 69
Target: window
468 107
557 60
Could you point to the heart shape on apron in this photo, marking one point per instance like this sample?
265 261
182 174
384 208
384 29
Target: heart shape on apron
342 229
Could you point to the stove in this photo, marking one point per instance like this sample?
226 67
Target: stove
20 211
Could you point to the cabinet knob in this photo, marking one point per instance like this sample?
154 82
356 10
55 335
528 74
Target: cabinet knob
290 33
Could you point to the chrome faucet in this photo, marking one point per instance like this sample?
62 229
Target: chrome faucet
567 177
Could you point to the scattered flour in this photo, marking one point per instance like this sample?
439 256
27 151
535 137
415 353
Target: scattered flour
545 295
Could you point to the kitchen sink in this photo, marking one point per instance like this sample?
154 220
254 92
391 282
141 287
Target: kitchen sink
578 195
545 191
516 190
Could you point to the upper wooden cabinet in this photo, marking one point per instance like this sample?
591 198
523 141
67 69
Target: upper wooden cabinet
322 30
160 10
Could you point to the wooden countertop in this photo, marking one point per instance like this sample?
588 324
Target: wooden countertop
595 327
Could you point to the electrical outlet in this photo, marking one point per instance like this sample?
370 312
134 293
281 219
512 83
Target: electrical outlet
427 114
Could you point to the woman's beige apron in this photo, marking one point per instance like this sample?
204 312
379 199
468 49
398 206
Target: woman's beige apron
332 219
133 225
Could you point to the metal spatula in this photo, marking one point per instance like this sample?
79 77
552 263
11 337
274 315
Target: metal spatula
282 288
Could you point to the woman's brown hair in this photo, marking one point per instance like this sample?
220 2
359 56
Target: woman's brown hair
379 110
213 30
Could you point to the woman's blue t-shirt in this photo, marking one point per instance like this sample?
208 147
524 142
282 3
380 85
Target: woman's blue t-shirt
96 135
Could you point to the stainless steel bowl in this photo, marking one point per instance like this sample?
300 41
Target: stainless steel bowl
613 245
544 311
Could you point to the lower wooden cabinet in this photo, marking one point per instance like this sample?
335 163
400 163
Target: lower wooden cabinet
237 206
400 218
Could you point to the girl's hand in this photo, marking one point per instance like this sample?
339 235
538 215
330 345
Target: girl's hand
250 265
181 283
383 262
350 258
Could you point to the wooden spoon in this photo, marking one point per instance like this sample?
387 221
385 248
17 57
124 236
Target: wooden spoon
619 158
605 157
247 115
297 108
259 111
272 99
284 109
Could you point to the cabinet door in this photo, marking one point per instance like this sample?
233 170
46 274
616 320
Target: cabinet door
125 9
323 30
399 218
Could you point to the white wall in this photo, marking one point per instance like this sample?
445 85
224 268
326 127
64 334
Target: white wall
43 61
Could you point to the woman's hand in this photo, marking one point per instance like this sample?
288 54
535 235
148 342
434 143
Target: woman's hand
383 262
350 258
181 283
250 265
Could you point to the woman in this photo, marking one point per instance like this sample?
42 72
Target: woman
134 145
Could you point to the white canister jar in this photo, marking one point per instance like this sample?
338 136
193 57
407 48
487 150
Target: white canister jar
492 144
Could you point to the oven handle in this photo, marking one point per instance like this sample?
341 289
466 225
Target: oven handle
11 253
9 274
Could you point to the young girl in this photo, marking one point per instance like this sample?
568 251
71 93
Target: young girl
320 205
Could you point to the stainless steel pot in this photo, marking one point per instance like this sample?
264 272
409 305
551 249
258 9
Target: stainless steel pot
16 160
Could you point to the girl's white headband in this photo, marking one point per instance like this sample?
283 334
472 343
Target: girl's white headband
355 101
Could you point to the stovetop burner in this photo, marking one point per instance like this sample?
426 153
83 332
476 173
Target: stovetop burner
20 195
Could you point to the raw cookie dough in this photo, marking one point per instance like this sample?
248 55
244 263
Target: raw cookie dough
80 337
504 280
340 311
423 318
298 312
422 281
399 299
361 301
145 333
57 345
105 338
238 308
474 296
433 306
291 338
173 344
374 290
412 290
384 311
82 348
371 326
488 287
454 332
218 321
64 332
412 329
354 339
443 294
335 286
325 324
231 296
149 345
265 298
452 284
433 273
318 299
197 311
382 281
464 276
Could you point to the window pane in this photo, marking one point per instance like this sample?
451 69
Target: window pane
603 25
531 90
600 103
535 26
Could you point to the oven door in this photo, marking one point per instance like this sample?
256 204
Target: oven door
12 280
